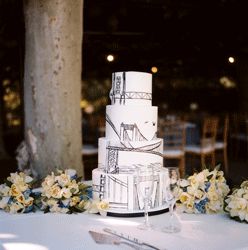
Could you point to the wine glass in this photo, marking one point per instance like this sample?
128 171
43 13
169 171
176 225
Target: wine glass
172 192
145 186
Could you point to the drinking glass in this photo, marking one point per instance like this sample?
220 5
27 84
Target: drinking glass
145 186
172 192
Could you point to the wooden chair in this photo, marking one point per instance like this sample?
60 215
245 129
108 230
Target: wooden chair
208 138
173 133
221 143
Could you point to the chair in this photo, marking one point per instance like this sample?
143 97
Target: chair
173 133
221 144
207 142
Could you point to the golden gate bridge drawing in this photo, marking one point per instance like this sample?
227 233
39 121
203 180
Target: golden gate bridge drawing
128 134
119 92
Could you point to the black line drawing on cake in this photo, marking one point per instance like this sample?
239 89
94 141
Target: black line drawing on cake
118 91
138 204
128 132
125 145
108 120
115 194
100 189
113 156
131 132
120 187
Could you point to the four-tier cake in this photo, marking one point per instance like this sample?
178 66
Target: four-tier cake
130 141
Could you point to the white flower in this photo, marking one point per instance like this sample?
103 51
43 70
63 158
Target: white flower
28 179
71 172
96 206
237 202
184 183
203 192
56 191
49 180
16 207
4 202
65 192
63 180
4 190
56 209
62 193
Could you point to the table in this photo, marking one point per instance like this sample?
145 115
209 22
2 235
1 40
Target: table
38 231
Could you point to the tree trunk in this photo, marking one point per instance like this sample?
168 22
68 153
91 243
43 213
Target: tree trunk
52 84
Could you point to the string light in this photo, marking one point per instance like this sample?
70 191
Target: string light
231 59
154 69
110 58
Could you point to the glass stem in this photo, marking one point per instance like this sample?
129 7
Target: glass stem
171 210
146 212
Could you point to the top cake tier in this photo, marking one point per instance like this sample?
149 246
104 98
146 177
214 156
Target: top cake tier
131 88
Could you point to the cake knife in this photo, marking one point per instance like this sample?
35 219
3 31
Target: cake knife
129 238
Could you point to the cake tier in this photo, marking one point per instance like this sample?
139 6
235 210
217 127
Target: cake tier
131 88
122 157
120 190
131 123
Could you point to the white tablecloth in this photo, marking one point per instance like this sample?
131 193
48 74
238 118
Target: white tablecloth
38 231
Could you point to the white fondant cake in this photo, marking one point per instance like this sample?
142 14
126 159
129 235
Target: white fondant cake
131 129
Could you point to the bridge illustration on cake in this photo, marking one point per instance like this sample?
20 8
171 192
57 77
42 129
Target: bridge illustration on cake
128 194
128 137
119 92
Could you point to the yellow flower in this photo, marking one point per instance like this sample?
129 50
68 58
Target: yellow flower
14 190
29 201
103 205
184 197
74 201
20 198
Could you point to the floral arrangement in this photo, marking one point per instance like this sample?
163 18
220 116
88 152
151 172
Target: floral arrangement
16 194
65 193
203 192
62 192
237 203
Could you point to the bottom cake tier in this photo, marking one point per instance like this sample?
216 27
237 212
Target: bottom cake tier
121 191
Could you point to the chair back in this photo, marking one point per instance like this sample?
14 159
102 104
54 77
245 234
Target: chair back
225 129
209 132
173 133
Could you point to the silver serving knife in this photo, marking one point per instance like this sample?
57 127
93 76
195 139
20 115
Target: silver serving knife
129 238
102 238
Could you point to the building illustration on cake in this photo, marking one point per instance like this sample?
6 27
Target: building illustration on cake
130 141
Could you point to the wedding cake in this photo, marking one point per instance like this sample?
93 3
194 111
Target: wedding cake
130 141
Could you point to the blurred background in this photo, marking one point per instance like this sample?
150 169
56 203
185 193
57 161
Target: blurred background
197 52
